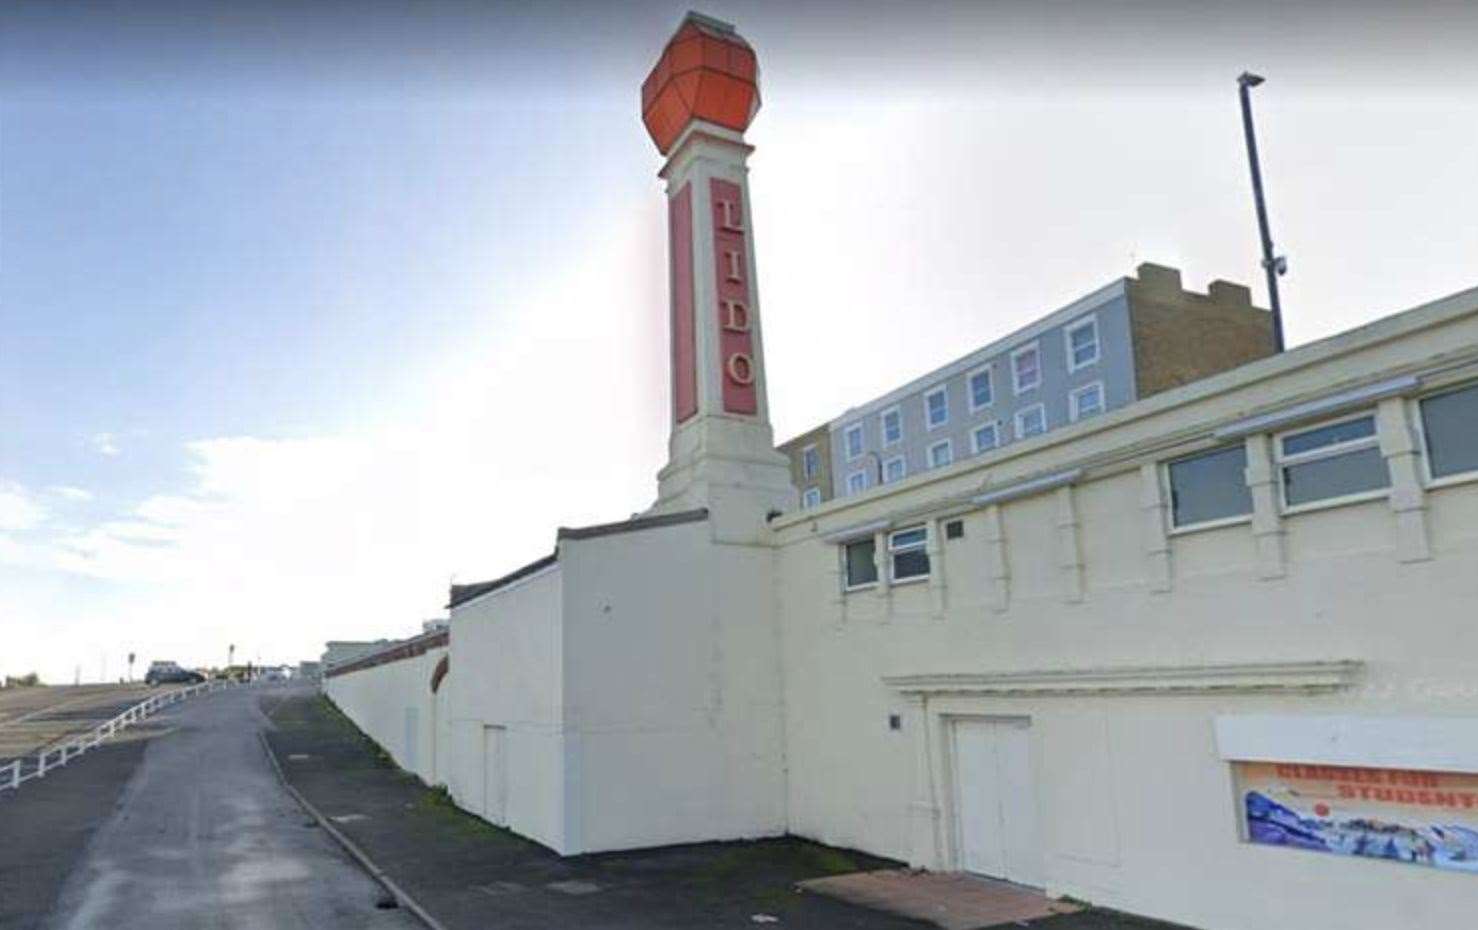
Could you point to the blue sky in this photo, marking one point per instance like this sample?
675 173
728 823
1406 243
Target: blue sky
305 309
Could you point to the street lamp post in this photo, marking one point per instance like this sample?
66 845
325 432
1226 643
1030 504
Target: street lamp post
1273 265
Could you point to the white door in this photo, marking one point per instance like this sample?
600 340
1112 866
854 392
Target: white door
495 776
995 800
412 744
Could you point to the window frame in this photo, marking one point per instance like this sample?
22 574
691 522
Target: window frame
1016 420
1034 346
807 452
987 370
1282 462
1074 411
941 391
1430 481
975 448
895 411
847 431
893 551
1167 491
903 472
1088 322
806 498
857 473
847 585
929 453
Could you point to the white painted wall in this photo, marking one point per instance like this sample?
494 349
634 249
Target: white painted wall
377 699
673 689
507 671
1137 806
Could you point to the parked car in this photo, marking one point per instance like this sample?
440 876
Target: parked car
170 673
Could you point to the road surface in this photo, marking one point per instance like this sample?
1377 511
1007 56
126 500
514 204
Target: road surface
204 836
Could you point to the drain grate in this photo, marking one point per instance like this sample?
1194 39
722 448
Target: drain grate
573 887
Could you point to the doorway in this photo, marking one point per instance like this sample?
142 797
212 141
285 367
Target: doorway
495 775
995 800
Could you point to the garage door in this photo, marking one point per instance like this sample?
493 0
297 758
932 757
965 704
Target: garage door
995 800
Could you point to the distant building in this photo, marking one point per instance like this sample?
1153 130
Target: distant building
438 625
339 651
309 671
1128 340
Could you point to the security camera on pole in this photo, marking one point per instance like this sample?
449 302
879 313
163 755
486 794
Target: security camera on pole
696 104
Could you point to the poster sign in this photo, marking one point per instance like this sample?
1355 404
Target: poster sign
1425 818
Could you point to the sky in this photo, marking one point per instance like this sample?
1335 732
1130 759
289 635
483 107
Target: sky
307 310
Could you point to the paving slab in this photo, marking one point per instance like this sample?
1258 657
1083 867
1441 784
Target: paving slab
953 900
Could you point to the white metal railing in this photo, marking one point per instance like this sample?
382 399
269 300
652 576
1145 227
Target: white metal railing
16 773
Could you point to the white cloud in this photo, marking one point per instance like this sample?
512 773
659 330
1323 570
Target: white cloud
105 444
19 510
80 495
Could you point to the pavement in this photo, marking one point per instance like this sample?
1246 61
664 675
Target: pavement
187 829
469 874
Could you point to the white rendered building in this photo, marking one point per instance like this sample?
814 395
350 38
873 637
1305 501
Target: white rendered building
1207 657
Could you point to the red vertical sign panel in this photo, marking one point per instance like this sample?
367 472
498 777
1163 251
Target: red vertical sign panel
738 369
684 334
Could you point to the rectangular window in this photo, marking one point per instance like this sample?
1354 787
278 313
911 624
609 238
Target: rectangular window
1082 344
1209 487
981 394
985 436
1450 430
1026 368
852 441
812 498
1332 462
908 553
1031 421
936 408
894 469
857 482
810 461
1086 401
941 454
892 422
861 567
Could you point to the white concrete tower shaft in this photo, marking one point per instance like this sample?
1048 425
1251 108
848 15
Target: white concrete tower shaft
721 451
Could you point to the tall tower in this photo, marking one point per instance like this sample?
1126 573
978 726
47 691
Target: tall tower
696 104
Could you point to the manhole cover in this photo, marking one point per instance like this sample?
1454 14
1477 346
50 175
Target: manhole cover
299 757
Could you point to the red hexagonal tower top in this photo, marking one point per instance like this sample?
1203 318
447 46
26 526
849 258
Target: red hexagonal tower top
706 72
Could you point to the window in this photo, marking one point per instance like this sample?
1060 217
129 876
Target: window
892 423
894 469
810 462
1026 368
908 553
936 408
981 394
1331 462
1031 421
1086 401
941 454
985 436
852 441
860 566
857 482
1209 487
812 498
1082 344
1450 430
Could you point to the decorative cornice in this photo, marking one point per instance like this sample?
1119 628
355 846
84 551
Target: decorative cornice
1304 677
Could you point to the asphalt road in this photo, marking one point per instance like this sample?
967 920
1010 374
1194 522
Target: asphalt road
203 836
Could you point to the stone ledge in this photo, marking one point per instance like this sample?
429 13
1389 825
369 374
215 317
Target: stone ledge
1303 677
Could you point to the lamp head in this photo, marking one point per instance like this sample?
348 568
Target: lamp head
1248 79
